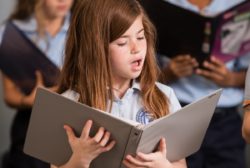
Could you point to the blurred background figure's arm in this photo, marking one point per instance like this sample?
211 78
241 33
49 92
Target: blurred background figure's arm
246 106
246 124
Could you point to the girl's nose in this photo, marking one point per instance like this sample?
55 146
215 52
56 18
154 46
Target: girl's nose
134 48
134 51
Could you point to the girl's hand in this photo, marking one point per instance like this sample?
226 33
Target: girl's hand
217 72
85 149
152 160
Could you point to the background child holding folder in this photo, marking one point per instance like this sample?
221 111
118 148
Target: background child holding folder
45 24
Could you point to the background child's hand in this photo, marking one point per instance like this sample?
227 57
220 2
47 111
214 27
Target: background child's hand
29 100
178 67
152 160
183 65
217 71
86 148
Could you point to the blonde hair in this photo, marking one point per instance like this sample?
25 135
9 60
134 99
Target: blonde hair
40 17
87 68
25 9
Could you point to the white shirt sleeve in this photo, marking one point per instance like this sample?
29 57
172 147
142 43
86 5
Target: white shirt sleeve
70 94
174 104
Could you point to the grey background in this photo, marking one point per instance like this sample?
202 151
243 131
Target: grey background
6 114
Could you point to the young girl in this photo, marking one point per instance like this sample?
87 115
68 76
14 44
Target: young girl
110 62
45 23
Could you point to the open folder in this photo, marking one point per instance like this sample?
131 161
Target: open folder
20 59
225 35
46 139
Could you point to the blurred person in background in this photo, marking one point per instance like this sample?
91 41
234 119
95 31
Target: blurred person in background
223 145
45 23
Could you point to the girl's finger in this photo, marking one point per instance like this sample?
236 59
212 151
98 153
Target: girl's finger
145 157
162 146
86 129
109 146
105 139
135 161
70 133
99 135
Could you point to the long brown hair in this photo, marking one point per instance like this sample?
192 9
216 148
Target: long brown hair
23 10
87 68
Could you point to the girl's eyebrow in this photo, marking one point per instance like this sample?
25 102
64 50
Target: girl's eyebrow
142 29
126 36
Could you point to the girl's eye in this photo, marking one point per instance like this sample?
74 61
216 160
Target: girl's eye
141 38
122 44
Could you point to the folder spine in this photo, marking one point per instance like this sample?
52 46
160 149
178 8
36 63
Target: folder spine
133 141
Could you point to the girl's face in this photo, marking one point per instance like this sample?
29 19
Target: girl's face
57 8
128 53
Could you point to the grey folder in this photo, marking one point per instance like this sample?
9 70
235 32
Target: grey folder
46 139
